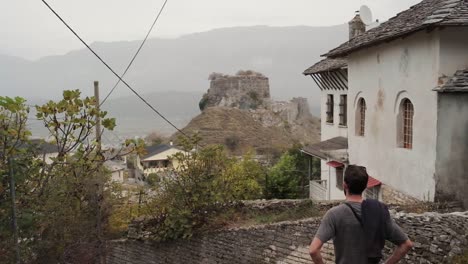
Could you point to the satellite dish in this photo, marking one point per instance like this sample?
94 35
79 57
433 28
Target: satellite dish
366 15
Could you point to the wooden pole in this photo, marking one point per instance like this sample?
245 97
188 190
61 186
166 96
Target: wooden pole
13 209
101 257
98 118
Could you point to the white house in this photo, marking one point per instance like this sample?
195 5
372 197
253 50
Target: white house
406 103
117 169
158 159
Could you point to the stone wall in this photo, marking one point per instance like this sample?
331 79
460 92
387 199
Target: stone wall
238 91
394 197
437 237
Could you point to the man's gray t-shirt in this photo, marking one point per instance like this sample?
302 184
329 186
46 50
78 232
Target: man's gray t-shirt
341 225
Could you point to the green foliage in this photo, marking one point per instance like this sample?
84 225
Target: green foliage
203 103
64 202
153 179
288 177
201 185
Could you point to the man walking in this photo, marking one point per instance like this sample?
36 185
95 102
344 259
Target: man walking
359 227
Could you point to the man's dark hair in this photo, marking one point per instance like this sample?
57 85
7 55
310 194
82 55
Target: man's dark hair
356 178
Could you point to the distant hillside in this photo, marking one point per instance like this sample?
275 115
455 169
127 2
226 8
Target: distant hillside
236 128
239 113
181 64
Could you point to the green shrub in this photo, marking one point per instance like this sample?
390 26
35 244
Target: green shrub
202 185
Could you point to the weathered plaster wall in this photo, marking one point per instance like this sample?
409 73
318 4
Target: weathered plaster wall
437 237
452 147
453 50
384 75
329 174
328 131
332 130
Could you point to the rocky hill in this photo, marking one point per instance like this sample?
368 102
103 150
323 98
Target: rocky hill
239 113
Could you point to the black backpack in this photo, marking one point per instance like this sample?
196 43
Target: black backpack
374 216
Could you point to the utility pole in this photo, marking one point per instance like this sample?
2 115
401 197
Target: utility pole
13 206
99 197
98 118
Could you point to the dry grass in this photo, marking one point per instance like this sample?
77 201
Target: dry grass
244 216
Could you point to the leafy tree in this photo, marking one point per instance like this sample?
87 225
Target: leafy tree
204 182
287 179
63 203
284 179
13 134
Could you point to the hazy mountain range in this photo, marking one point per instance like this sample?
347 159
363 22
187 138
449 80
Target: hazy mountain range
173 73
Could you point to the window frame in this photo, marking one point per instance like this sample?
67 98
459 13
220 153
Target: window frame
330 109
408 121
339 173
343 110
361 117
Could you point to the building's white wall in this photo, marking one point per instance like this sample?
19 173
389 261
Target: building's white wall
453 50
165 155
384 75
329 131
118 176
332 130
329 175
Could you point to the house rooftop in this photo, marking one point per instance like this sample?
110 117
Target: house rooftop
456 84
156 149
321 149
326 65
427 14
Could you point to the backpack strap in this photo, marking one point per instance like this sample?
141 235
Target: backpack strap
355 214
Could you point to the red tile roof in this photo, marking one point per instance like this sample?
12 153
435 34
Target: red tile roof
372 182
335 164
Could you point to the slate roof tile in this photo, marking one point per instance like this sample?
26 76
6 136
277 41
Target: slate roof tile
456 84
327 64
426 14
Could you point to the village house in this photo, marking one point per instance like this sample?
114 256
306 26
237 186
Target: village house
117 170
158 159
395 100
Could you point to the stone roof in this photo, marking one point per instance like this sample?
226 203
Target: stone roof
156 149
321 149
327 64
426 14
457 83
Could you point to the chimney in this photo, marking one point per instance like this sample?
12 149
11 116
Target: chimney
356 26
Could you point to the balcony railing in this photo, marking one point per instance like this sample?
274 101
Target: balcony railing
319 190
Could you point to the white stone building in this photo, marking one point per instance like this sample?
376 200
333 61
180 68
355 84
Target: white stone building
158 159
406 100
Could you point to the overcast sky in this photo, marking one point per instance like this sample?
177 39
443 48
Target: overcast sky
30 30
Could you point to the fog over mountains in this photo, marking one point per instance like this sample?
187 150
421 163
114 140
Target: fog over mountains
173 73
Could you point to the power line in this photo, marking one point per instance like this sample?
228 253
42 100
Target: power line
112 70
137 52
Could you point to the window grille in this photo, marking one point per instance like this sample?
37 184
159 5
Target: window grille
408 113
343 110
330 109
362 117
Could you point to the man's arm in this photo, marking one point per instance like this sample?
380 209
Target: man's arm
314 251
400 252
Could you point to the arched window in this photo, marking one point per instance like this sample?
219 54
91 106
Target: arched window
361 117
406 124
